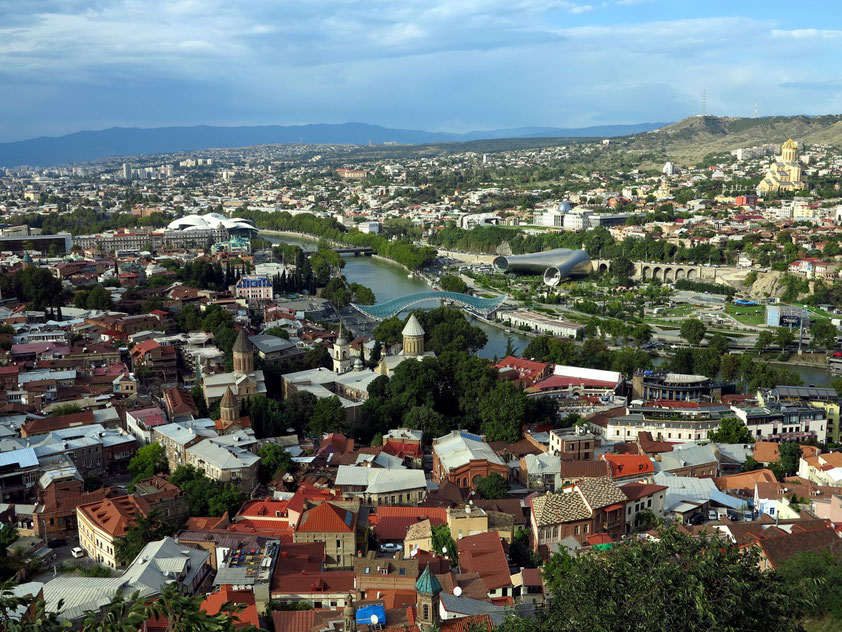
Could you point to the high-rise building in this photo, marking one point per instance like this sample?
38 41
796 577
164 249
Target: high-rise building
127 171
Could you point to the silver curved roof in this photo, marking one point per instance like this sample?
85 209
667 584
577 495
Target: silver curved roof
537 262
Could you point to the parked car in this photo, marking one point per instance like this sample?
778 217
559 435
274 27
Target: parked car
697 518
389 547
733 516
712 515
77 551
748 516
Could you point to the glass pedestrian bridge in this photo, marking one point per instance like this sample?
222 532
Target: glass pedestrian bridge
483 307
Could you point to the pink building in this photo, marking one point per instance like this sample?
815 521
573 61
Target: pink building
254 288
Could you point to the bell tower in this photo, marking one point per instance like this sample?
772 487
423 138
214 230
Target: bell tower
242 354
341 353
427 590
789 152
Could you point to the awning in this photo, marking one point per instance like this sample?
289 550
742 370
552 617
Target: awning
614 507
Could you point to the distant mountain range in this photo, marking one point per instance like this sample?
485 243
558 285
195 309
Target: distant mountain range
123 141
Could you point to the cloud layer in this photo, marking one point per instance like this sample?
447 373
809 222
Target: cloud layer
434 64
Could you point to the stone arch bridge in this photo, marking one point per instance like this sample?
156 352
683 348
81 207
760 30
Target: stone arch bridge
666 272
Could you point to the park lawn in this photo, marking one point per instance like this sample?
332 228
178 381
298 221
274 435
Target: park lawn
748 315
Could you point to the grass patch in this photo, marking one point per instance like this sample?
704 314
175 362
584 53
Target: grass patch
85 571
748 315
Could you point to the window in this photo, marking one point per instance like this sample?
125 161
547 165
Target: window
339 544
649 503
587 528
576 530
426 612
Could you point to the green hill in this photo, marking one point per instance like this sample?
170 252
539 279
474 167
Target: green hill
687 141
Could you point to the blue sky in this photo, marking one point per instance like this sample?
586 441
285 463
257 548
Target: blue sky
423 64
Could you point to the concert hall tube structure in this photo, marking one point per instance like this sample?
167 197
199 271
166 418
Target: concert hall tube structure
556 265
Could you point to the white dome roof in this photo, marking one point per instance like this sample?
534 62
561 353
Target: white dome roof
412 327
210 220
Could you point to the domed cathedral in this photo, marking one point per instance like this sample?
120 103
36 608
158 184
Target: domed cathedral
413 347
243 354
785 173
413 337
244 381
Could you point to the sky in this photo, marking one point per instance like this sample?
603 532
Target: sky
437 65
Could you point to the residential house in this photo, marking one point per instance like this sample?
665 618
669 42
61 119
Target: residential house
695 461
573 444
336 527
464 458
594 505
225 463
378 486
483 554
627 468
643 499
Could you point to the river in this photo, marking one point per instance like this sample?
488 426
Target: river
389 280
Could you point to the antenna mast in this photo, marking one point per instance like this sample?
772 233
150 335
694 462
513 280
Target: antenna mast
704 102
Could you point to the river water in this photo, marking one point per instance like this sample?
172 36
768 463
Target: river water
389 281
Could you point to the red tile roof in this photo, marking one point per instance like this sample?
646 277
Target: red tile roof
623 465
483 554
246 616
328 518
320 582
635 491
392 522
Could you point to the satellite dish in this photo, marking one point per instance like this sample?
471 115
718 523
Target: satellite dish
444 549
413 553
374 619
457 591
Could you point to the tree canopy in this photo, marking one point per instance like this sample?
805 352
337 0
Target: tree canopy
731 430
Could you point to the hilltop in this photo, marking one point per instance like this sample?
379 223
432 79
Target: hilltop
688 140
119 141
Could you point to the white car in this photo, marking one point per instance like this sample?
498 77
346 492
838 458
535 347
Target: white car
77 551
391 548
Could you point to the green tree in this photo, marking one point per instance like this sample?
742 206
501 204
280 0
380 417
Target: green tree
492 486
99 298
729 367
183 613
425 419
823 334
714 584
718 343
789 453
503 412
149 460
121 615
764 339
328 416
273 459
451 283
277 332
817 574
65 409
731 430
692 330
443 543
145 529
784 336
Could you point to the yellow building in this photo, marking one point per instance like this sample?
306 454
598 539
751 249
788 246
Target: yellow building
785 172
831 410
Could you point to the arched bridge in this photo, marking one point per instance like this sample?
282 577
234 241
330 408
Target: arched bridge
666 272
484 307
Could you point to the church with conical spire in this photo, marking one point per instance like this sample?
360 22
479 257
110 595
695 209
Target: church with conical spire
244 381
